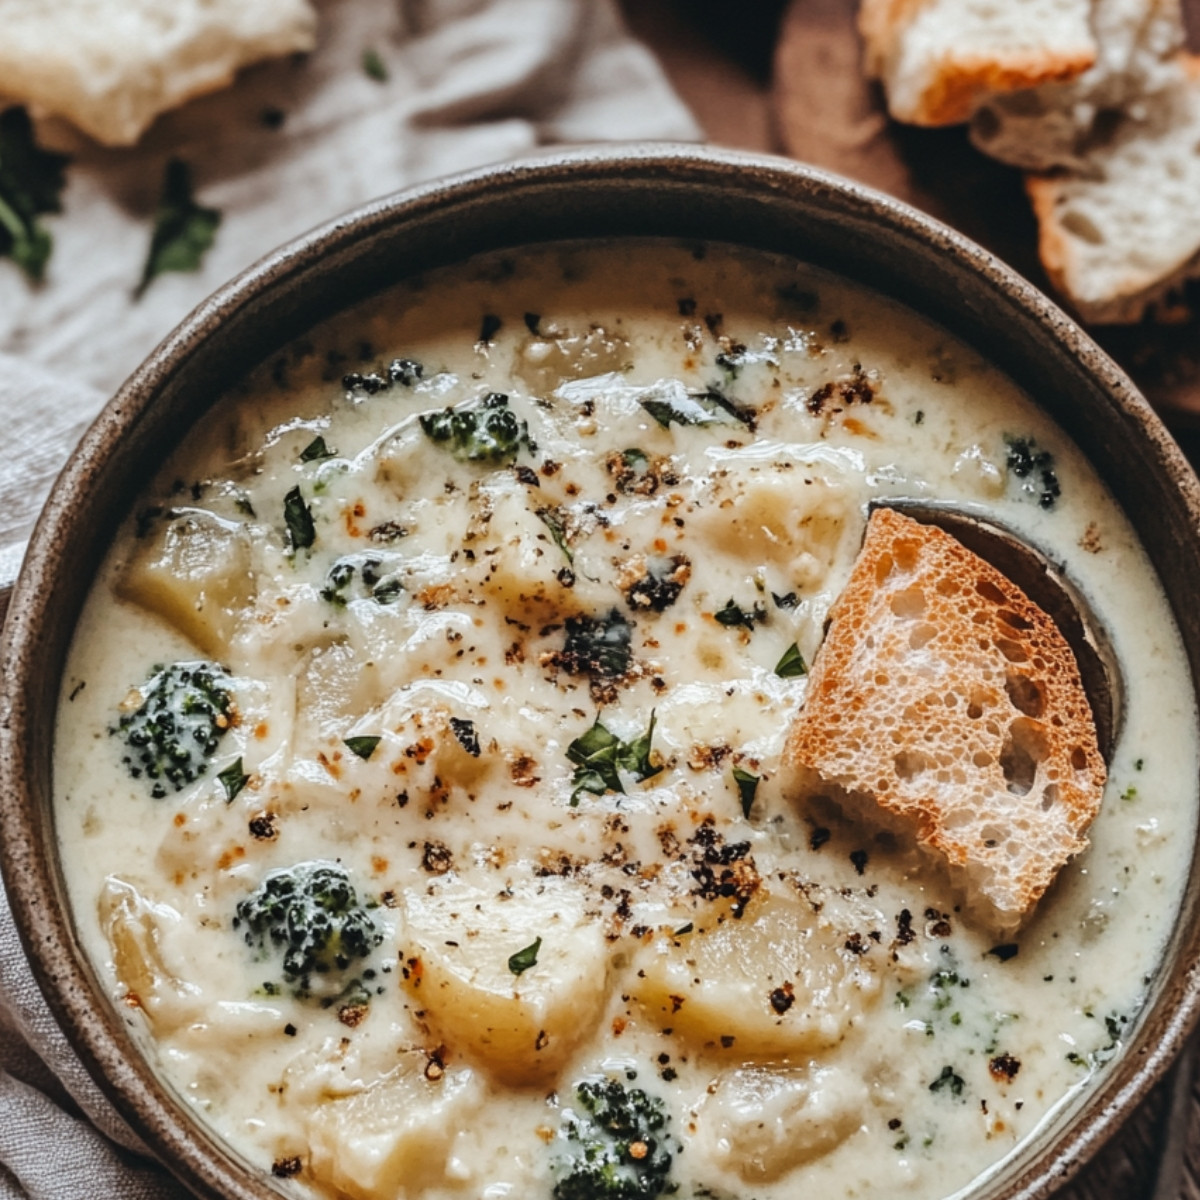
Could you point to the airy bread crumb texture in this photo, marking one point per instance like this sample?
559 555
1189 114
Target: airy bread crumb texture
1138 44
1123 234
946 704
111 68
938 59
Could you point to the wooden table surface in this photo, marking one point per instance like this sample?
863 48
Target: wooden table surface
784 77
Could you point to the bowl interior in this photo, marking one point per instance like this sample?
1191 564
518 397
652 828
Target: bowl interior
655 191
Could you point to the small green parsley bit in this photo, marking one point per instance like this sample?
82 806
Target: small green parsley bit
183 230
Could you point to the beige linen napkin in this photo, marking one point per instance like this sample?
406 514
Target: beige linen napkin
469 82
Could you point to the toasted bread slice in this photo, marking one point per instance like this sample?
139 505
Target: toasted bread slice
937 59
1121 236
1138 45
946 703
111 66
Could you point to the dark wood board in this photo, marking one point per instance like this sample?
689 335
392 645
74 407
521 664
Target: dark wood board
827 114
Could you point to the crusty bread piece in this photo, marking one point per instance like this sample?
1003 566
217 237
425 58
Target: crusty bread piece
946 703
111 66
938 58
1138 56
1123 234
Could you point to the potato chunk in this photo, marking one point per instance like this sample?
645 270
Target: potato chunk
393 1138
137 930
195 573
780 981
521 1027
764 1123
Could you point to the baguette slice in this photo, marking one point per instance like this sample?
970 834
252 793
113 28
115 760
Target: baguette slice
111 66
937 59
1120 237
1138 56
945 703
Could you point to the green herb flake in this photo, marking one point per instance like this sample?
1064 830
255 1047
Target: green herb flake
316 450
635 459
948 1079
700 408
792 664
233 779
299 520
183 230
733 617
520 962
747 786
553 521
364 747
373 66
684 929
31 183
599 757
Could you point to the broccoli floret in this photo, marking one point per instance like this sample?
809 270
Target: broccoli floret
491 432
186 709
312 914
616 1147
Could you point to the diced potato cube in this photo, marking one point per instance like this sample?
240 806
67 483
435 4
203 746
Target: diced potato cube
392 1140
459 966
780 981
764 1123
194 572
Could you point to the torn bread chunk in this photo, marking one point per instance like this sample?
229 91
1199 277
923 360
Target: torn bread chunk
1138 44
110 68
937 59
1123 235
947 703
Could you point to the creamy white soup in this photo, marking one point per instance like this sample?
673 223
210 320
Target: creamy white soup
419 775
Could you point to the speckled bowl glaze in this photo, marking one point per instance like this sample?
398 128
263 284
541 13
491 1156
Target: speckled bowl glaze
681 192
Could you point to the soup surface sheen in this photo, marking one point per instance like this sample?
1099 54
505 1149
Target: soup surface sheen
449 672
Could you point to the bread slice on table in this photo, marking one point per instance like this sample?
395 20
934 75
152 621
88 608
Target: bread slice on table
938 58
1122 236
945 703
111 66
1138 45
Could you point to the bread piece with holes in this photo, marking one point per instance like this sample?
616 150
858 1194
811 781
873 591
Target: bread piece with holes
946 703
1123 235
1138 44
110 68
937 59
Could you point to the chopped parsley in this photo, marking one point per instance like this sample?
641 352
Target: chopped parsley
373 66
691 408
233 779
183 230
948 1079
299 520
364 747
600 757
520 962
553 520
734 617
316 450
31 184
747 786
792 664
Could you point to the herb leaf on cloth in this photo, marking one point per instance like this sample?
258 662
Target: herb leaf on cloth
31 182
183 229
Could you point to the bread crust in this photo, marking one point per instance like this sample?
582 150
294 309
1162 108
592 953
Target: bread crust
945 703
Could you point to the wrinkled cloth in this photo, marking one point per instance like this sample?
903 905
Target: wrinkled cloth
468 82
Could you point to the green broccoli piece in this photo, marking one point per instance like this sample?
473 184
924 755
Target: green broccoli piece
491 432
186 709
312 914
616 1148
